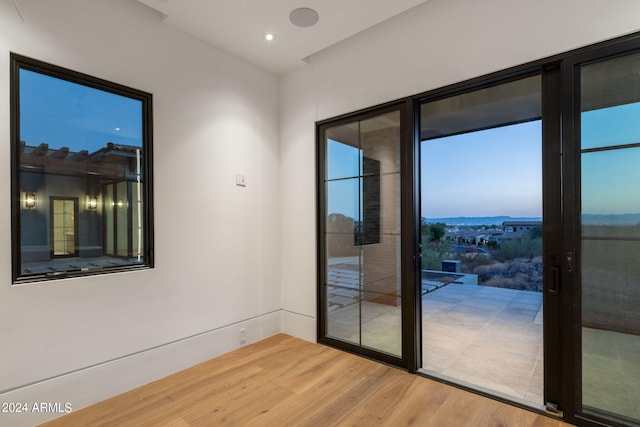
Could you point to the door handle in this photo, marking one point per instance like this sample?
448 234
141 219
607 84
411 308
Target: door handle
569 262
555 279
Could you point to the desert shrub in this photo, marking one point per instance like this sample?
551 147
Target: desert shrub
524 247
432 232
433 252
521 274
488 270
431 259
520 281
469 262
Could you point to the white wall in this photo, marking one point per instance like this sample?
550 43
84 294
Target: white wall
223 251
435 44
217 258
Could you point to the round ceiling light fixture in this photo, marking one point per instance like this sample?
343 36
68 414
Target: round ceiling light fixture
304 17
269 37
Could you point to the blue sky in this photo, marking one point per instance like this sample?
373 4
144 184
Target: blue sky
486 173
65 114
610 179
499 171
611 126
343 161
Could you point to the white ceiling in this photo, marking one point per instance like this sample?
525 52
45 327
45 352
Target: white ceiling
239 26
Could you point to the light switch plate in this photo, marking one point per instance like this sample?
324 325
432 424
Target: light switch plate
241 180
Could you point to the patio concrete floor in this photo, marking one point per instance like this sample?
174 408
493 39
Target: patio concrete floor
485 337
611 372
492 338
489 338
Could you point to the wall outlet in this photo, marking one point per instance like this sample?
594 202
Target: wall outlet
243 336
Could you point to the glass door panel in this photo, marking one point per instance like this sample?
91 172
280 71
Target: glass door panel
481 228
610 238
362 276
344 284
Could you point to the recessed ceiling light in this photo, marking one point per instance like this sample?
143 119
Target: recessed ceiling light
303 17
269 37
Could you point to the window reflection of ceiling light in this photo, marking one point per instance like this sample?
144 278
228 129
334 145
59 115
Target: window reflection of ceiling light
269 37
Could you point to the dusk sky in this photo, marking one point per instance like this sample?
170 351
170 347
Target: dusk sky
610 179
499 171
486 173
65 114
342 194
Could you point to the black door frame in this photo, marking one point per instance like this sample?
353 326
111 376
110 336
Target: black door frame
552 205
561 215
408 241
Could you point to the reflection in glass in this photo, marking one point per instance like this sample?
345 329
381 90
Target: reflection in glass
362 237
343 160
64 227
610 126
76 143
343 287
343 200
137 222
122 219
606 176
381 310
380 141
109 222
610 271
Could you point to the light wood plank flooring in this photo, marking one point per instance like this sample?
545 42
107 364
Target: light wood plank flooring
285 381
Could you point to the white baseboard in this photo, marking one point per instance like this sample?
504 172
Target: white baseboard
299 325
87 386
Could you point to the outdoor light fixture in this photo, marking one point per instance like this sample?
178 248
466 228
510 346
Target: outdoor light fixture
92 203
30 200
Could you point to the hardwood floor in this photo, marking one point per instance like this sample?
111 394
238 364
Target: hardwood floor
285 381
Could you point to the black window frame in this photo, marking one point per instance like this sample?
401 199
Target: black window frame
19 62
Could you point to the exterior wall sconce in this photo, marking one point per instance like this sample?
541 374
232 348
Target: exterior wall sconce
29 200
92 203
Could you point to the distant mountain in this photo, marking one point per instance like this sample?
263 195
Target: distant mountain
587 219
480 220
611 219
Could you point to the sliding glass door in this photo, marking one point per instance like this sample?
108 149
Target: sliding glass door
607 135
487 234
482 238
361 293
